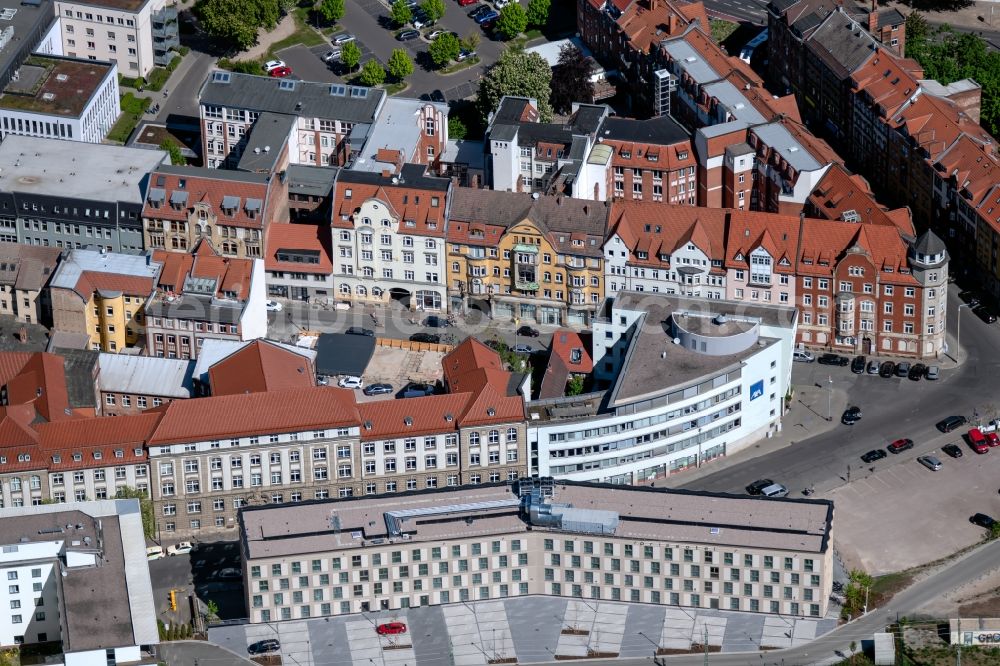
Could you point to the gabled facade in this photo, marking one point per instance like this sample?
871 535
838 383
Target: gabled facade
760 257
298 263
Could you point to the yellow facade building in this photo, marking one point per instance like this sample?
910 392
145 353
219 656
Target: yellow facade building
518 257
102 295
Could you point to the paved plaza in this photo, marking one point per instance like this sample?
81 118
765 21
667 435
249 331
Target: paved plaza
525 630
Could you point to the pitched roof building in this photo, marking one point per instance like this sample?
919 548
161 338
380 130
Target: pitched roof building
24 271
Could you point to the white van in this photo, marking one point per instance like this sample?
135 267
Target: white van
154 553
775 490
802 356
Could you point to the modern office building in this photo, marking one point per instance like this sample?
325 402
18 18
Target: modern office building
61 563
681 381
537 537
71 195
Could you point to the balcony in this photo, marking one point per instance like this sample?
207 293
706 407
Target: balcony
761 279
521 285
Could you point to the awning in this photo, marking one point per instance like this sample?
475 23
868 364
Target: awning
253 204
157 194
178 198
230 202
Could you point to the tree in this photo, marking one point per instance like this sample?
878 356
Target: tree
400 65
516 73
400 13
145 508
513 20
471 41
211 611
350 55
538 12
916 28
575 385
456 128
372 73
237 21
433 8
176 157
444 49
571 79
856 592
331 10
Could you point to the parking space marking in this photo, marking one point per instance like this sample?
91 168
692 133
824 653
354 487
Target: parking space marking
480 634
678 626
367 647
604 625
778 632
712 626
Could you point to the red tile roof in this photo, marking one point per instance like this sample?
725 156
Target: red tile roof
259 367
230 275
824 242
383 419
405 202
40 382
778 234
133 285
839 192
251 414
314 238
209 187
660 229
564 341
472 364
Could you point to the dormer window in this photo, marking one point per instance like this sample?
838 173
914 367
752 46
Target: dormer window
641 255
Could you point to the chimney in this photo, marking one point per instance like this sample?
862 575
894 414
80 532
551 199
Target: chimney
873 18
386 173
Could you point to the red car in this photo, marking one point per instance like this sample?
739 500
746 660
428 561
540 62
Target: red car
978 441
280 72
992 439
900 445
466 3
391 628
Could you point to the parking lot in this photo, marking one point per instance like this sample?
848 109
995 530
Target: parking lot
399 367
902 514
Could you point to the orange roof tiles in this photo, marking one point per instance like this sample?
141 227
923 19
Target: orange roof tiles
255 414
838 192
825 241
406 203
648 22
885 83
209 187
564 341
659 229
258 367
40 382
133 285
778 234
412 417
297 237
468 357
232 276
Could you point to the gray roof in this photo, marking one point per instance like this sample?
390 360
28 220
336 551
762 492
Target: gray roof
413 176
503 132
27 267
929 243
312 180
662 130
740 149
464 151
807 23
197 307
80 366
733 99
890 17
691 61
778 138
297 98
842 43
342 354
76 170
146 375
104 606
212 174
398 127
72 266
643 513
264 145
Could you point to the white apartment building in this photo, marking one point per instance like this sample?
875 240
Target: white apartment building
60 562
689 380
136 35
561 539
389 238
324 116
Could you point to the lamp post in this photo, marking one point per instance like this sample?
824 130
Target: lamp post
829 398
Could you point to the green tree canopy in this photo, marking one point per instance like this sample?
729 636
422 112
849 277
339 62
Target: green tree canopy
145 508
372 73
400 64
538 12
471 41
513 20
331 10
237 21
350 55
400 13
571 79
456 128
176 157
516 73
444 49
433 8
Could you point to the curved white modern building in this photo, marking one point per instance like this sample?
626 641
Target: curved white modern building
687 380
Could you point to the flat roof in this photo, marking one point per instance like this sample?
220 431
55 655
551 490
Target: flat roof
55 85
734 100
67 276
466 512
146 375
663 130
398 127
691 61
123 5
342 354
781 140
25 19
76 170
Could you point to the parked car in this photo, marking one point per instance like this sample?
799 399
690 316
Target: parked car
154 553
500 4
415 390
984 313
487 17
887 370
992 439
902 369
434 321
391 628
229 573
951 423
377 389
759 485
527 332
977 440
464 55
343 38
479 11
273 306
970 297
350 382
982 520
522 349
873 367
774 490
917 371
873 455
273 64
280 72
900 445
933 372
407 35
858 365
930 462
434 34
358 330
331 55
182 548
802 356
832 359
422 21
466 3
952 450
851 416
264 646
425 337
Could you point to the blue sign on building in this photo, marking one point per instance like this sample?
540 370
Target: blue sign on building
756 389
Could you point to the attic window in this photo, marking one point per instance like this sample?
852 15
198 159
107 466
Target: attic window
641 255
739 256
119 453
98 455
347 193
491 412
682 155
410 224
783 262
368 425
56 459
627 154
77 457
408 420
23 457
448 417
3 460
